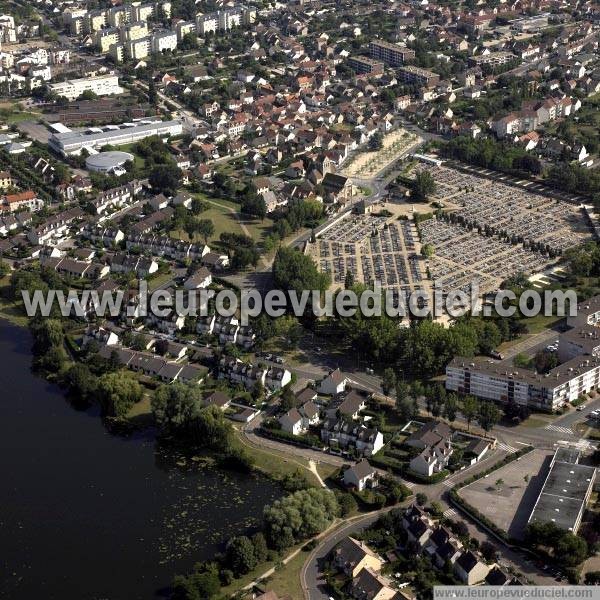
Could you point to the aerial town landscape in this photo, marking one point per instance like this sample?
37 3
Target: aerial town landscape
405 153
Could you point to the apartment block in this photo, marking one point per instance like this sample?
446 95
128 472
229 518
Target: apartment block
363 65
391 54
578 372
106 85
105 38
411 74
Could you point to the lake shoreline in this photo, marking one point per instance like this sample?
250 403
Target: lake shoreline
162 511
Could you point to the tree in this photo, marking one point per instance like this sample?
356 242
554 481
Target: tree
298 516
198 586
118 392
165 178
347 503
376 141
592 578
421 499
423 186
428 250
469 409
176 406
81 381
205 228
189 42
4 269
88 95
451 407
198 206
240 555
261 551
488 415
388 381
489 551
190 226
293 270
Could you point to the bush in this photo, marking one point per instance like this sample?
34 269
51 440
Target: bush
305 440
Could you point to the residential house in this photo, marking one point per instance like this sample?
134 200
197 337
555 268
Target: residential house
360 476
370 585
469 569
201 279
351 556
334 383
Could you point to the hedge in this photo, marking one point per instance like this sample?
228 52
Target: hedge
417 477
277 434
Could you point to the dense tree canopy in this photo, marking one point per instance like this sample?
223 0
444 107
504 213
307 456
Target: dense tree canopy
299 516
293 270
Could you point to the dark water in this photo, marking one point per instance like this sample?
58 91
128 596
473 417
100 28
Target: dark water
88 515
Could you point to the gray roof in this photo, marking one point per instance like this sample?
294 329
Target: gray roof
564 495
362 469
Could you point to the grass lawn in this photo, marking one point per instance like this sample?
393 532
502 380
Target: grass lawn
286 580
532 423
540 322
274 463
223 220
159 279
9 310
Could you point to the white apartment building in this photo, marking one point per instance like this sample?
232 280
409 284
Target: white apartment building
577 374
7 60
141 12
133 31
164 40
105 85
206 23
105 38
59 57
183 28
119 15
96 20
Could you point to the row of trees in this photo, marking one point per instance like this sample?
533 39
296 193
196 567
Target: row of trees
439 402
296 517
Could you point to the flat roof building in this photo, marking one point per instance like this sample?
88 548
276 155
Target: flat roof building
566 492
391 54
105 85
578 372
365 65
412 74
75 141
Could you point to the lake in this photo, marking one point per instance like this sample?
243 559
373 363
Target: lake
85 514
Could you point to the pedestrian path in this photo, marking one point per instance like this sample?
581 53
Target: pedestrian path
560 429
450 513
505 447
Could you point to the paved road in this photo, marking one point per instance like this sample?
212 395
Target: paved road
311 578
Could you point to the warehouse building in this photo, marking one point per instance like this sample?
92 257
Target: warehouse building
566 491
73 142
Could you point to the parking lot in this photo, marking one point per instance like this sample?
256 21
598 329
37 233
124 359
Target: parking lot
507 496
372 248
